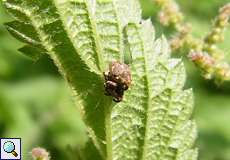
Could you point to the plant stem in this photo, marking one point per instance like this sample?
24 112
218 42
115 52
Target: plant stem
108 129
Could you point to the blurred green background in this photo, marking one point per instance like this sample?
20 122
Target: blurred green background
36 104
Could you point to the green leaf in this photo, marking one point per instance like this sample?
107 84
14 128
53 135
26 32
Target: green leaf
154 110
32 52
80 26
87 85
26 33
83 37
23 32
109 29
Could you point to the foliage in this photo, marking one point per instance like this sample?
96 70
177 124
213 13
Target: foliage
83 37
204 52
212 102
40 111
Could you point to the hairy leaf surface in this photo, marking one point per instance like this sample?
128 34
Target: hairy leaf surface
83 37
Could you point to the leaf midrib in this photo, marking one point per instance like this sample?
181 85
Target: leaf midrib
96 38
101 65
49 47
142 154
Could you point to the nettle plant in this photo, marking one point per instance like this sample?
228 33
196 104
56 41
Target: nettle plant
83 37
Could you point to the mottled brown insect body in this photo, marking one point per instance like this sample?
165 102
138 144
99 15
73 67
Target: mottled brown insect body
117 80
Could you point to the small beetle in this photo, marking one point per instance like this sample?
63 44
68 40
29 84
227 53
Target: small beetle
117 80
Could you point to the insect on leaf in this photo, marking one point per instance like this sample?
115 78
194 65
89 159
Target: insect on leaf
83 37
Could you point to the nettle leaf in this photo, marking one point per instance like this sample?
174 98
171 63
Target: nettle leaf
83 37
155 110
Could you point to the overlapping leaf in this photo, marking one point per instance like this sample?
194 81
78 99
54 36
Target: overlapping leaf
83 37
